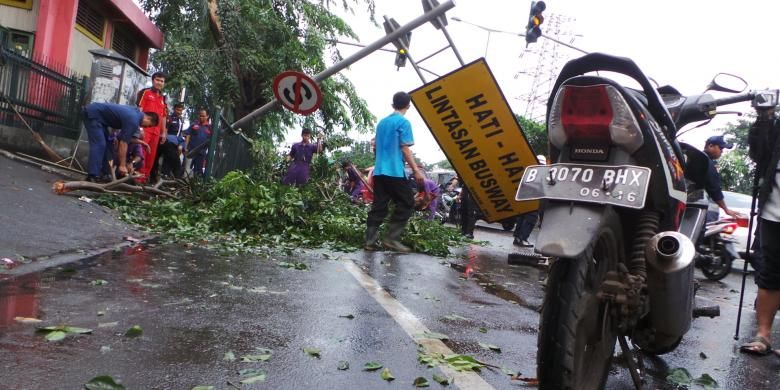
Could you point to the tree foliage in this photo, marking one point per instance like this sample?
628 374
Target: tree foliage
229 56
443 164
359 153
736 169
535 133
241 211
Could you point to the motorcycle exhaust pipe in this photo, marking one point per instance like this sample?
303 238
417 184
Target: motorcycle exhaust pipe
670 262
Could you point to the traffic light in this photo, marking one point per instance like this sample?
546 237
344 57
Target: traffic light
400 58
535 19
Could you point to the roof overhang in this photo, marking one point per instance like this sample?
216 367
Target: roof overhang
136 17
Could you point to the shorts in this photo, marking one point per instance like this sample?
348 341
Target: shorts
769 276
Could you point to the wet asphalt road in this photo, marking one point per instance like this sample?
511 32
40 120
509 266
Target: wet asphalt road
194 306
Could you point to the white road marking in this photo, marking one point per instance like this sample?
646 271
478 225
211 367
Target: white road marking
412 325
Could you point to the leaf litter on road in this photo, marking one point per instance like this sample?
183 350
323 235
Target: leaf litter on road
455 317
372 366
442 380
420 382
347 316
313 352
134 331
490 347
431 335
103 382
262 355
57 333
229 356
252 375
343 365
387 375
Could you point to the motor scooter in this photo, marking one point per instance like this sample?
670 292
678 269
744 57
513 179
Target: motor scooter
624 200
717 249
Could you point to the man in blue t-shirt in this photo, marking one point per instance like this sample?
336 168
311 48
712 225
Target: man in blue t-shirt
98 117
393 139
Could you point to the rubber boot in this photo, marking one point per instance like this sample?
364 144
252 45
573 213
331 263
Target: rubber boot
392 240
372 239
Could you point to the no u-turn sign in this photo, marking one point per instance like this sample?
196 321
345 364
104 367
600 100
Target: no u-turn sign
297 92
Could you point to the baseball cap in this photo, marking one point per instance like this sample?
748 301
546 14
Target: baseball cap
718 140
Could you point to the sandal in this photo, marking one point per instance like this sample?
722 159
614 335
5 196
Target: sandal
758 346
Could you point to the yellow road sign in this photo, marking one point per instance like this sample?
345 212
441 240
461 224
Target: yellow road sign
472 122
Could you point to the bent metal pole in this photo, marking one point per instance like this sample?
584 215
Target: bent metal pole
397 34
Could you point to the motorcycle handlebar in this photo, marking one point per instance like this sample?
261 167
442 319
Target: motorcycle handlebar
745 97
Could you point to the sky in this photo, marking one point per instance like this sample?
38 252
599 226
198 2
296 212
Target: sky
682 43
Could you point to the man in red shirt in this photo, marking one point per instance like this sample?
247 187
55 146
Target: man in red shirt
153 100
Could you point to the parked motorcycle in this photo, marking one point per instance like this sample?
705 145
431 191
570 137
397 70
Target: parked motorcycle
717 249
624 200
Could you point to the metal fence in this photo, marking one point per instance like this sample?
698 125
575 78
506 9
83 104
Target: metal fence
48 99
229 151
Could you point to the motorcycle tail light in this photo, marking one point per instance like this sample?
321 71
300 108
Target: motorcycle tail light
743 222
593 115
730 228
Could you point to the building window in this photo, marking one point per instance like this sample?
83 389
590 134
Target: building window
90 22
123 44
24 4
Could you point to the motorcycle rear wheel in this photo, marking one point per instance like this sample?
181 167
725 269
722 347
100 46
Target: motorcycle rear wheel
576 334
718 269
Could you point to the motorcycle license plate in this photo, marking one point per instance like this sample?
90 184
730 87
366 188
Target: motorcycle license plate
624 186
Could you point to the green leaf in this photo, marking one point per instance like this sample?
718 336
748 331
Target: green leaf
706 381
372 366
134 331
294 265
45 329
56 335
463 362
203 388
420 382
99 282
431 335
509 371
387 375
73 329
490 347
679 376
348 316
252 375
229 356
482 330
455 317
312 352
103 382
444 381
256 358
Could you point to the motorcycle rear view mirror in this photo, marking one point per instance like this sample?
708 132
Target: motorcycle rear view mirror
727 82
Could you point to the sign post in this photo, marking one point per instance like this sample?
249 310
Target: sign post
475 127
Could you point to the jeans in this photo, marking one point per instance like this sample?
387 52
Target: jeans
99 150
